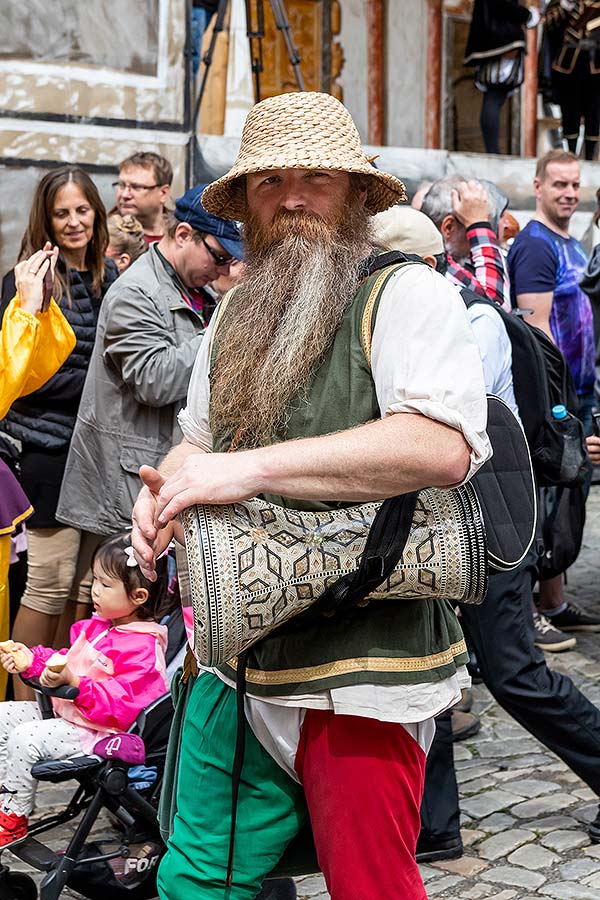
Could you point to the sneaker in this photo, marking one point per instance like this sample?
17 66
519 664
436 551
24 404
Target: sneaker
12 827
464 725
575 619
547 637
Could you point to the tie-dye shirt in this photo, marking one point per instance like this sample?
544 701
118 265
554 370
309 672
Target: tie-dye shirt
540 260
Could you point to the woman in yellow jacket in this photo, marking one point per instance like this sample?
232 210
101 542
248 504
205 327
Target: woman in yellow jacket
33 346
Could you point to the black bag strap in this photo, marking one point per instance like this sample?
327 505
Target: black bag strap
385 544
378 261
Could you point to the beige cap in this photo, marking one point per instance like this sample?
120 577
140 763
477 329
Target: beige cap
305 130
407 229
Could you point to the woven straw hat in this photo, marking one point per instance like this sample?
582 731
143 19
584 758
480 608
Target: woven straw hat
305 130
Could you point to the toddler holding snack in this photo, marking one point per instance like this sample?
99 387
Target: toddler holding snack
116 660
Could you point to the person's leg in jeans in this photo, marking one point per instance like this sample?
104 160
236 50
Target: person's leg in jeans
544 702
363 781
491 106
440 815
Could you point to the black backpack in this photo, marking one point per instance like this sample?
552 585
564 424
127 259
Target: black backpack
541 380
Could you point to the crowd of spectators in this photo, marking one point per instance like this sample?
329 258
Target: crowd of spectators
94 379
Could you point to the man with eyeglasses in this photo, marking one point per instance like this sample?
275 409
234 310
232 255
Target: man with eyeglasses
143 189
150 329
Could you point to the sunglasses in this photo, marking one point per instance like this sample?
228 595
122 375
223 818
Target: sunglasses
220 260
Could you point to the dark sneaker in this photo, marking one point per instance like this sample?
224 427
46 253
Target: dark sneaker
547 637
430 849
464 725
575 619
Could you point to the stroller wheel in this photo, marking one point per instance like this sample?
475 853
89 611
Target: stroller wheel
21 887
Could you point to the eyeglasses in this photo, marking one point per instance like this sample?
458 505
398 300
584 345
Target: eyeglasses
134 188
220 260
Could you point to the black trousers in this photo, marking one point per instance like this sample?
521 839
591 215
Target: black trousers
544 702
579 97
489 121
440 816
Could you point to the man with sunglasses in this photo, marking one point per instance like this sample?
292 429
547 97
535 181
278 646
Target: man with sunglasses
150 328
143 189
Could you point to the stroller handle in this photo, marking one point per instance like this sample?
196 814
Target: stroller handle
64 691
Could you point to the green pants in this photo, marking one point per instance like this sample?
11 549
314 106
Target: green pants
271 806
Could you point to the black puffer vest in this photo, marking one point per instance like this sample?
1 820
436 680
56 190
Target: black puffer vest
46 417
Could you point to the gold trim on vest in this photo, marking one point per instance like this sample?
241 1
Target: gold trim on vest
347 666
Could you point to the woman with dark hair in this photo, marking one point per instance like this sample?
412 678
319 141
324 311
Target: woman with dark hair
496 45
67 212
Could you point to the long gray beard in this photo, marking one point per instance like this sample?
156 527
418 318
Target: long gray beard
282 320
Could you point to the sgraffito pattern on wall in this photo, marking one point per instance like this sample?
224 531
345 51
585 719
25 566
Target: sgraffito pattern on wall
106 33
117 60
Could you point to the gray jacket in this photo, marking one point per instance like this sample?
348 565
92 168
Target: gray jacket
146 345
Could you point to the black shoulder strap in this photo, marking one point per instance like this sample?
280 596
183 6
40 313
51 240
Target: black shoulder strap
384 547
378 261
470 297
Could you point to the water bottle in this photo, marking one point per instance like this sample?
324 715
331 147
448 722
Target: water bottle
574 458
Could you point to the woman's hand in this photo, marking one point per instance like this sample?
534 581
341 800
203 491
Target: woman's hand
29 277
51 679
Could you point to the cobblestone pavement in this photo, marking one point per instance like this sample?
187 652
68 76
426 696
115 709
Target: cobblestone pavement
523 811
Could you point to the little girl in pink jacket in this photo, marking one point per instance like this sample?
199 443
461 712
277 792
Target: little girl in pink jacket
116 659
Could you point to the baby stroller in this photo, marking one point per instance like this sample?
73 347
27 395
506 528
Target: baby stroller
126 866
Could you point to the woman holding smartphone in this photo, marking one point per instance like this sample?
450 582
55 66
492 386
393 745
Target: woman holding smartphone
66 212
35 338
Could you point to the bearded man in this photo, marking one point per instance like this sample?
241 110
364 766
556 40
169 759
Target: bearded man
339 709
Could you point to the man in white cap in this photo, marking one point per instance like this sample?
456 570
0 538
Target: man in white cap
339 709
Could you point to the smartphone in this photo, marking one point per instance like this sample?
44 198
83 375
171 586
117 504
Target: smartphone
47 288
596 423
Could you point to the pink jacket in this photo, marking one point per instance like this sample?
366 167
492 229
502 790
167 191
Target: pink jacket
121 670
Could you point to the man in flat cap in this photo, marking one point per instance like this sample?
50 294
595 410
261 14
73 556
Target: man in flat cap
284 403
150 329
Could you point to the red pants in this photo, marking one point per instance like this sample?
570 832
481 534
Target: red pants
363 781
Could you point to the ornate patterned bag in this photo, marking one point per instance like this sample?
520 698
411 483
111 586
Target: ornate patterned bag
253 565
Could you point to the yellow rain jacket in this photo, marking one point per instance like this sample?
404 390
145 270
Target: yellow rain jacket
32 349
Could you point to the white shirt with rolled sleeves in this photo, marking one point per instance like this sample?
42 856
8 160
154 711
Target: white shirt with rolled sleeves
424 359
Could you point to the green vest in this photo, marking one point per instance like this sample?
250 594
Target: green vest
384 642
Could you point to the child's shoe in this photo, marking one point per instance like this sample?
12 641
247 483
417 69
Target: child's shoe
12 827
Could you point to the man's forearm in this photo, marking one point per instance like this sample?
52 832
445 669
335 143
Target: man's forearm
400 453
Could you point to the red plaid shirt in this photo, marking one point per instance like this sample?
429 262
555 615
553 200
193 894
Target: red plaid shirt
489 278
